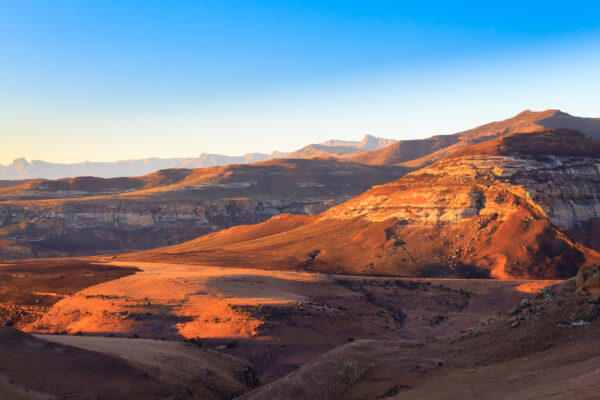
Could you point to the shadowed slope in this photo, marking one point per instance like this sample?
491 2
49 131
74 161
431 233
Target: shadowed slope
419 153
107 368
54 369
556 142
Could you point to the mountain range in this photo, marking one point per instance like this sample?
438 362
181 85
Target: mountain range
23 169
456 216
315 277
438 206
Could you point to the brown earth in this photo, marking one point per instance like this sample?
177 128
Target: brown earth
30 288
18 249
277 320
282 177
309 336
9 183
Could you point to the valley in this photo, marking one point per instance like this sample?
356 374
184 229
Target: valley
83 216
450 267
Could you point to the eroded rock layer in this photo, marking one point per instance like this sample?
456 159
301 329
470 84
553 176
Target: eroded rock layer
500 208
84 216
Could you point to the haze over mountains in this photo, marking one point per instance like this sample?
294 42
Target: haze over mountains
23 169
370 150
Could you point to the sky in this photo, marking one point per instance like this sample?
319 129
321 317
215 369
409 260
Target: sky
110 80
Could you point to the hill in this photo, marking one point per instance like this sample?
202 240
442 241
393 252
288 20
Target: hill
88 367
422 152
87 215
498 209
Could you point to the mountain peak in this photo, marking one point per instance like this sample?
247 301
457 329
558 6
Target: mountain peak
370 143
21 160
20 163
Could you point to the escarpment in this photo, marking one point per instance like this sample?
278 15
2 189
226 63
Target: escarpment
83 216
499 210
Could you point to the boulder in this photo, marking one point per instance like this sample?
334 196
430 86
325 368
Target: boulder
588 282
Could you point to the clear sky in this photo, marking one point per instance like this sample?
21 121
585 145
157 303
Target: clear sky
107 80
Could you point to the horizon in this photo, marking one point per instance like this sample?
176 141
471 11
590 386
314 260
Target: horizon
105 82
32 161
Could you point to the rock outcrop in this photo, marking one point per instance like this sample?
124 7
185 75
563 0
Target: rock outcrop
588 282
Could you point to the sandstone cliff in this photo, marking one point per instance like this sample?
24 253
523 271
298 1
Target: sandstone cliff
88 215
502 208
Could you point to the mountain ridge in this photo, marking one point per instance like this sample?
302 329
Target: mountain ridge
21 169
421 152
458 216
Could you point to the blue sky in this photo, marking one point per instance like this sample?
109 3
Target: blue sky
108 80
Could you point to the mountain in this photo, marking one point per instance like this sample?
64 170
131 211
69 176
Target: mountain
422 152
87 215
213 160
21 169
368 143
504 208
342 147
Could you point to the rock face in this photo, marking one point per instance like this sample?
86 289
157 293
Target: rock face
90 215
497 209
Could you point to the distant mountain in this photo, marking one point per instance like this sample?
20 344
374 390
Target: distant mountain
342 147
23 169
421 152
218 160
368 143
